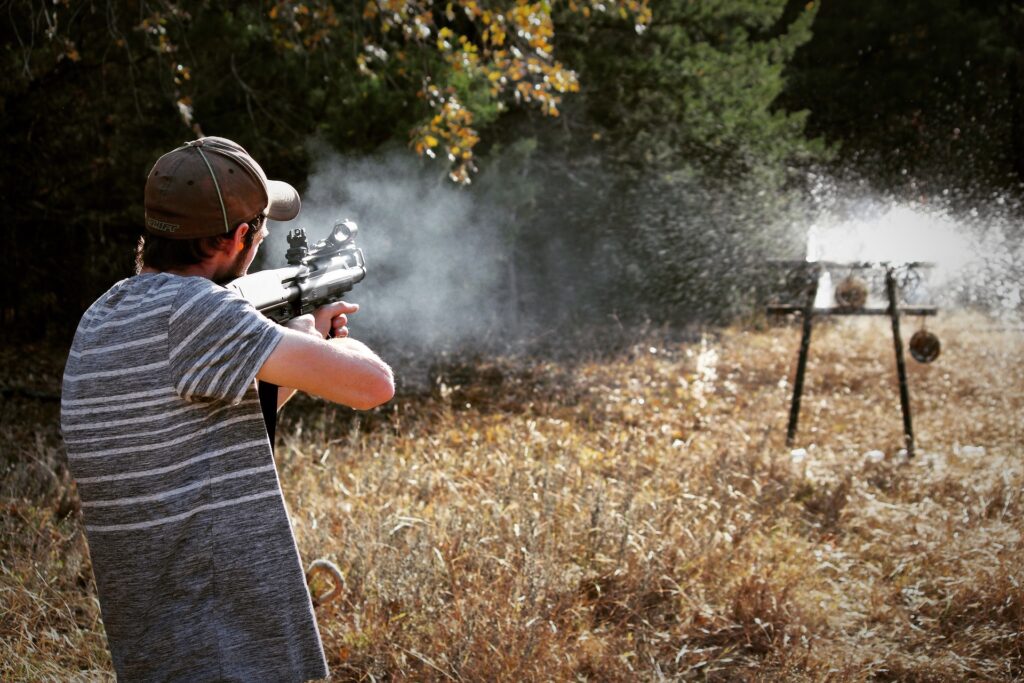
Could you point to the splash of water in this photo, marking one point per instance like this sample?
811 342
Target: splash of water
977 260
897 234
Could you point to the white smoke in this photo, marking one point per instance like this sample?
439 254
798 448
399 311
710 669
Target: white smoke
433 254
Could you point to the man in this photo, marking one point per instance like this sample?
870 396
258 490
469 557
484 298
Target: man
198 574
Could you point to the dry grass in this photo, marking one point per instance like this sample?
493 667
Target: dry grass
633 518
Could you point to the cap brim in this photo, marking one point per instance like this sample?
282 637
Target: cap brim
284 201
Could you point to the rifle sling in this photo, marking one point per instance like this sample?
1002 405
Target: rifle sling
268 404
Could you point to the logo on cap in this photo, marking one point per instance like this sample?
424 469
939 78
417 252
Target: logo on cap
162 226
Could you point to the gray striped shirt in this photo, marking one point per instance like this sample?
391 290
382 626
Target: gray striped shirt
198 573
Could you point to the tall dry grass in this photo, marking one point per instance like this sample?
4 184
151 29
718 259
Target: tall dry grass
628 518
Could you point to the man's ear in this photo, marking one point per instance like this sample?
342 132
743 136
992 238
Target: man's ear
238 237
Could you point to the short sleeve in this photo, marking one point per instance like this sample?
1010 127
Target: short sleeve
217 342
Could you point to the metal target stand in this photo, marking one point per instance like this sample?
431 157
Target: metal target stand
897 277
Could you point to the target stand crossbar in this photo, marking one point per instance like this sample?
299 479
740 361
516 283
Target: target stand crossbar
811 272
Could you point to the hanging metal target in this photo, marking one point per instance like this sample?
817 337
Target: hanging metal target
851 293
924 346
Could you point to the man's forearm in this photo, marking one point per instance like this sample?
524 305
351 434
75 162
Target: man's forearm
341 370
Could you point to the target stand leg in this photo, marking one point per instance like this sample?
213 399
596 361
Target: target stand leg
901 366
801 365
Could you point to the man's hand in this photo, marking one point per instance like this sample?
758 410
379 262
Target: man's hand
320 322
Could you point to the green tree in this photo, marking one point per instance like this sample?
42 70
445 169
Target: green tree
700 88
675 172
921 96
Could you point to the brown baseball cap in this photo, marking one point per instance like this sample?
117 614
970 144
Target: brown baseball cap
210 185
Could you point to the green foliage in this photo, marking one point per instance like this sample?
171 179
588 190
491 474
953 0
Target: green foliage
920 93
95 93
673 178
698 89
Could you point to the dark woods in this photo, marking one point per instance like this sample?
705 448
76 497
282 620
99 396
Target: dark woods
686 135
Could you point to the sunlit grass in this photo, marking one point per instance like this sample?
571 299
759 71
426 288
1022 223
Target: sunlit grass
628 518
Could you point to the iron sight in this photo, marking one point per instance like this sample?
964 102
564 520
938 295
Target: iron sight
313 277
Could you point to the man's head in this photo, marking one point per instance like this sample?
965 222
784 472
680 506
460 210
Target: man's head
208 187
209 197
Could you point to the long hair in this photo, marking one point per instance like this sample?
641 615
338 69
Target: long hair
161 253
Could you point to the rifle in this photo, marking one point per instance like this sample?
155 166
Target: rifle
312 278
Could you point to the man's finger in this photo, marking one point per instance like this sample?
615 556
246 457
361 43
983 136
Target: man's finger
338 308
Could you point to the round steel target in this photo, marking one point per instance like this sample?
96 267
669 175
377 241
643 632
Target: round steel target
851 293
924 346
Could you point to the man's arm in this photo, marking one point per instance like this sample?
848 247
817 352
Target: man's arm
341 370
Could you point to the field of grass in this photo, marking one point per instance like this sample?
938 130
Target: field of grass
629 516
